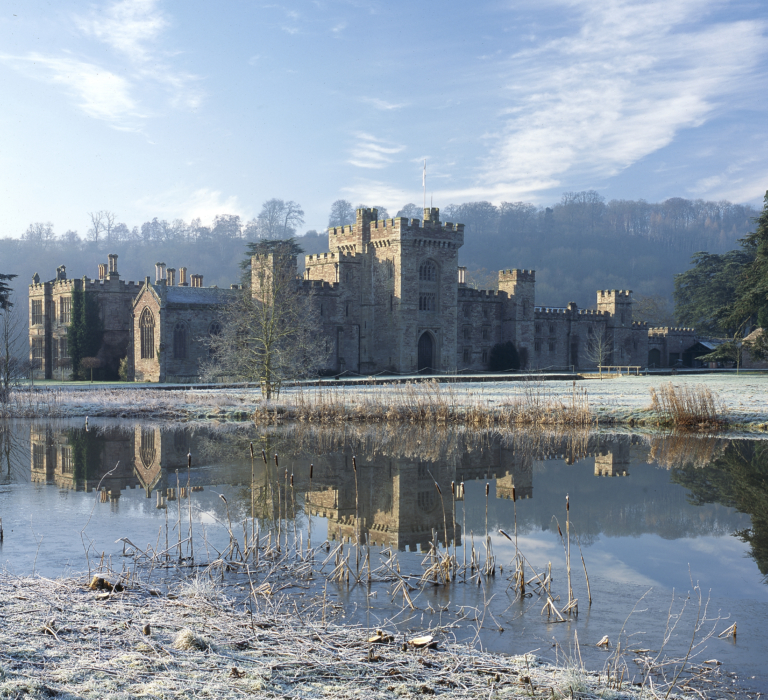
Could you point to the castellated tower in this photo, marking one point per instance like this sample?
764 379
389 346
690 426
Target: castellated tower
519 309
617 305
396 293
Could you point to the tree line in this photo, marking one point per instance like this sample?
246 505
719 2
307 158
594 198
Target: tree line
579 245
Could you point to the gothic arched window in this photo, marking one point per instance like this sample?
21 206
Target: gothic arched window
428 271
429 277
147 329
180 341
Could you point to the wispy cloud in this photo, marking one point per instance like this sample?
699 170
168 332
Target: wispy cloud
203 203
622 86
371 152
128 26
99 93
132 28
383 105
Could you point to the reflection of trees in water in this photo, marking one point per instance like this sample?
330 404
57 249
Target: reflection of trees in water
737 479
14 450
679 449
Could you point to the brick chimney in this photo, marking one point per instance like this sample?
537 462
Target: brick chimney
183 277
171 276
159 272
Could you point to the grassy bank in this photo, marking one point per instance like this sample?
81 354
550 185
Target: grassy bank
61 639
627 401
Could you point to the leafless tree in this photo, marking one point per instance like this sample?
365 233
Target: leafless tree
279 219
41 233
598 349
271 333
102 225
13 364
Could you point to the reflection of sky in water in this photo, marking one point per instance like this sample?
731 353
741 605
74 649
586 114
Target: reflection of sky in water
638 531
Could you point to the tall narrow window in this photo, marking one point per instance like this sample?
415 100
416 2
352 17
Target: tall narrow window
147 327
65 309
37 312
180 342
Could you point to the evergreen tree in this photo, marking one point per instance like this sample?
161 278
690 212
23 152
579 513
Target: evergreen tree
5 290
752 290
705 294
85 332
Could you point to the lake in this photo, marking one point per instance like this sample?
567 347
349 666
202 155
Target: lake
658 519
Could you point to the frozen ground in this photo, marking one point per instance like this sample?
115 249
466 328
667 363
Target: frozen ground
620 399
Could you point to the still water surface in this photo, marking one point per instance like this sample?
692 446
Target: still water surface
655 516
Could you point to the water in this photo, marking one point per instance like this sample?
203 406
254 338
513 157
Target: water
655 517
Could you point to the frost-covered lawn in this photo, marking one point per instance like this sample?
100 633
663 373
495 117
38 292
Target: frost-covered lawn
744 397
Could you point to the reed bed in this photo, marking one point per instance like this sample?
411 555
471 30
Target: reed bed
62 639
432 402
23 402
688 407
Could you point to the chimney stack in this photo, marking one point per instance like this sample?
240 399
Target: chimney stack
113 266
183 277
102 271
171 276
159 272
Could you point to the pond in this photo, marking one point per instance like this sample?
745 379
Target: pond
658 518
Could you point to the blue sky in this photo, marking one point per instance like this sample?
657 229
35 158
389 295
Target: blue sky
178 110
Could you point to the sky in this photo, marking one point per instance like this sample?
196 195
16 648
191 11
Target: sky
191 109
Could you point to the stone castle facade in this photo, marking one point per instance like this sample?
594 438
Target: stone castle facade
391 297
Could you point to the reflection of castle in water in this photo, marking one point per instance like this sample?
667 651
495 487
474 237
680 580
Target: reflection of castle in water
397 503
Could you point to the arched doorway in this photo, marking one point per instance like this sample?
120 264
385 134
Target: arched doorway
426 353
654 358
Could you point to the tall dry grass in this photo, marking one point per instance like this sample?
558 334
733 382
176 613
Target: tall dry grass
688 407
431 402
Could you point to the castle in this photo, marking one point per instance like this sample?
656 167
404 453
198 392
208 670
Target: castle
391 297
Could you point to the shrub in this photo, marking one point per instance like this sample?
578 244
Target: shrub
503 357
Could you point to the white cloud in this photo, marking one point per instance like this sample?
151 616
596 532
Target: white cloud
383 104
98 92
622 86
204 203
371 152
132 28
128 26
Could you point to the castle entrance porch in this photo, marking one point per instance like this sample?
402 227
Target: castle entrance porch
426 353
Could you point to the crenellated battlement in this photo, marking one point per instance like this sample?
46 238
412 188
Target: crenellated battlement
666 330
480 295
618 294
319 285
517 275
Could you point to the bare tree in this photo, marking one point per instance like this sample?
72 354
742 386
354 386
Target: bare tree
598 349
41 233
102 225
279 219
271 333
342 213
13 364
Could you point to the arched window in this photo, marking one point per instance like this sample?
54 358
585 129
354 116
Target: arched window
147 328
428 286
428 271
147 448
180 341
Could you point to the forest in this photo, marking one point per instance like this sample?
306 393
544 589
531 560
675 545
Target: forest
577 246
